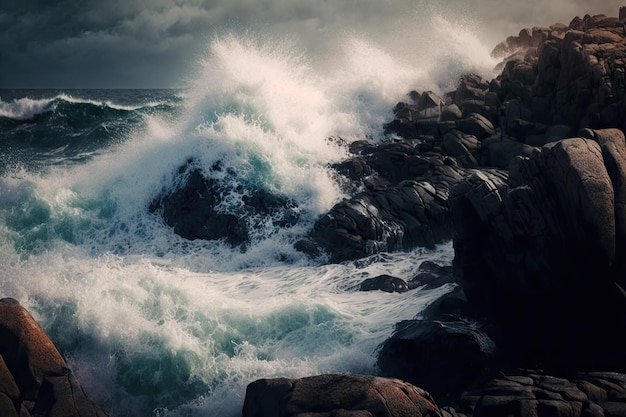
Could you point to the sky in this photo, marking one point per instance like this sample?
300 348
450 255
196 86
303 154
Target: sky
154 43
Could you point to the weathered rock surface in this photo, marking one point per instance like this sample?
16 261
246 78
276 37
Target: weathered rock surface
537 252
34 378
337 395
572 75
533 393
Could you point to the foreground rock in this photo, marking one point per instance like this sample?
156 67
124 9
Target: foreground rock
34 378
337 395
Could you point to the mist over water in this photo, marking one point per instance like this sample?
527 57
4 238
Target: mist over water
153 324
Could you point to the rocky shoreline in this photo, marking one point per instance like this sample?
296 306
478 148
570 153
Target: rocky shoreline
526 173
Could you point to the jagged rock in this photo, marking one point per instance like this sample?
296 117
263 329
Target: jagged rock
470 87
462 146
451 113
337 395
430 106
574 75
477 125
34 378
409 214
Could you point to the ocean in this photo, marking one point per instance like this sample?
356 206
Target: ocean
156 325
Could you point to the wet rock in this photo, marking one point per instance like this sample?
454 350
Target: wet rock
193 211
443 357
451 113
461 146
34 378
431 276
385 283
337 395
477 125
409 214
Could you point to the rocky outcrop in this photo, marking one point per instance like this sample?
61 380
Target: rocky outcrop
34 378
537 252
405 203
567 75
411 213
337 395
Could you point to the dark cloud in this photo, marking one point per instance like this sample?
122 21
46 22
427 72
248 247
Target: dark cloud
151 43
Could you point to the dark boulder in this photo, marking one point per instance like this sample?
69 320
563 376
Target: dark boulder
385 283
461 146
338 396
431 276
477 125
443 357
192 208
471 87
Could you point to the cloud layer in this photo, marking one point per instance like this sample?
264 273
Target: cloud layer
152 43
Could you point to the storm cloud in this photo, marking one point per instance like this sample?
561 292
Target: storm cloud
152 43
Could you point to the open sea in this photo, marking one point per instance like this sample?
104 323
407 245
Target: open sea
156 325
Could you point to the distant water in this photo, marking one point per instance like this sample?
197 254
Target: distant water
156 325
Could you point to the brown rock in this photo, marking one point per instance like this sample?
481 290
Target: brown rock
34 378
27 350
337 395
